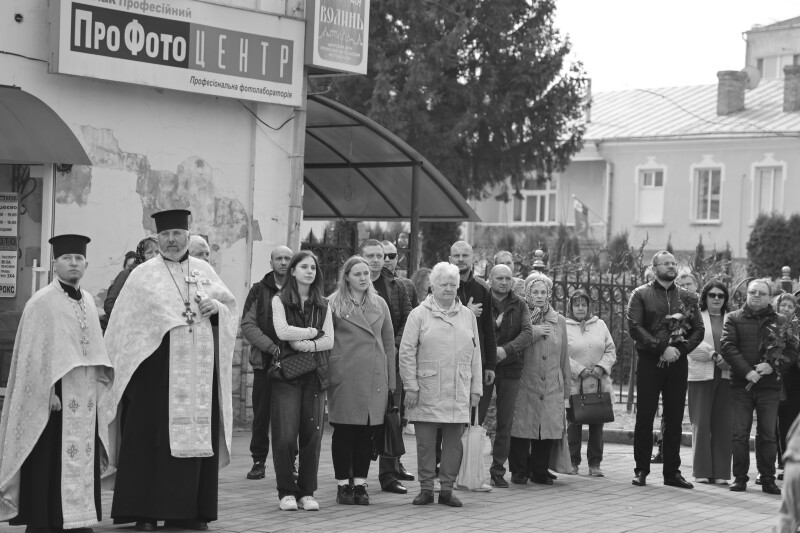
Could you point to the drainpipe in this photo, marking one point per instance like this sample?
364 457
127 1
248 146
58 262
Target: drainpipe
609 202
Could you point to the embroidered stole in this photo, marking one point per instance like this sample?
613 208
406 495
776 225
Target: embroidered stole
78 423
191 378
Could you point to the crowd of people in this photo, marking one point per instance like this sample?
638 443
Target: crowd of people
145 408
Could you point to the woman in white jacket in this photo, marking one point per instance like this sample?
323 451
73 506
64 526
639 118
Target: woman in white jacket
709 393
591 355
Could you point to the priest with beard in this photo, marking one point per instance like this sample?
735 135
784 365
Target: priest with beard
53 430
171 340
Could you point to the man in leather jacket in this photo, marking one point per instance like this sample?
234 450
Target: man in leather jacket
665 323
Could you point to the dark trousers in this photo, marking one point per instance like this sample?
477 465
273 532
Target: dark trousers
506 400
351 449
483 404
712 427
262 396
764 402
297 409
787 412
389 467
668 381
529 456
594 450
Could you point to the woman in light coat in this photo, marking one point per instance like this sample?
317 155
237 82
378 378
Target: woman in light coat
591 355
709 393
543 388
362 376
440 364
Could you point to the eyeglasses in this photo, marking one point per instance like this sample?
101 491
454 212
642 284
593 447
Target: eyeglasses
668 264
390 257
756 293
716 295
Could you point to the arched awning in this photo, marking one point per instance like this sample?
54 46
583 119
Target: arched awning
32 133
356 169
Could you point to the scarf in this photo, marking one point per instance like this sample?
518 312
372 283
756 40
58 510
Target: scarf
537 313
141 247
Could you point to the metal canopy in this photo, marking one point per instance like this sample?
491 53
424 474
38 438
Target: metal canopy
31 132
356 169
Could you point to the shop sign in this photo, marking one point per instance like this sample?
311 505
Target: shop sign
182 45
337 34
9 219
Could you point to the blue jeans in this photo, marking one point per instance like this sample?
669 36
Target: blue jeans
765 403
296 412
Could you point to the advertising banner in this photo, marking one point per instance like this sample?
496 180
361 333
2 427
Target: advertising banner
337 35
181 45
9 217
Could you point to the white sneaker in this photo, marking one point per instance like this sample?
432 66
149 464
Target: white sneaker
288 503
308 503
409 429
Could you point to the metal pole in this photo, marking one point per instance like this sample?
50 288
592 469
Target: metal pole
413 238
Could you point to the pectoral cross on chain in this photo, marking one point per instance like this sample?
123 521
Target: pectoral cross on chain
199 282
84 343
189 314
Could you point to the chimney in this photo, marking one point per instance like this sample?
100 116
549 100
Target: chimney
730 92
791 88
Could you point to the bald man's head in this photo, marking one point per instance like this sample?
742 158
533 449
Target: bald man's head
279 260
501 281
461 255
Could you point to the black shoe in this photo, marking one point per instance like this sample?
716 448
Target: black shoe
758 479
403 474
551 475
677 481
519 479
739 484
344 495
446 497
657 458
424 497
257 472
360 495
499 482
395 487
189 523
780 476
146 525
541 479
768 485
640 480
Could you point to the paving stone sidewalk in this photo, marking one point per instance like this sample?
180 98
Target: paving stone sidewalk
573 503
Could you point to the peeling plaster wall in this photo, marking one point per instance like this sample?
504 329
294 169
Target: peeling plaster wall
152 150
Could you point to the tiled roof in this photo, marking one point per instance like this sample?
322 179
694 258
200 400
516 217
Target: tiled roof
688 112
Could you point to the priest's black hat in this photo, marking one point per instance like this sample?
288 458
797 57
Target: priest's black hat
172 219
69 244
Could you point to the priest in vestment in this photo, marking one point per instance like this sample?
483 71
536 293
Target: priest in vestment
171 339
53 429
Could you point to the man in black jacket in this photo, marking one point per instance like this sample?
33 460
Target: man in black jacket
390 469
662 365
474 293
743 335
258 329
513 332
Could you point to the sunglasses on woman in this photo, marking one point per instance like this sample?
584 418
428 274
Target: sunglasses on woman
716 295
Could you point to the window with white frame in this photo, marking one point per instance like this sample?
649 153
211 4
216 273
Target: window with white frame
766 188
708 194
650 201
536 202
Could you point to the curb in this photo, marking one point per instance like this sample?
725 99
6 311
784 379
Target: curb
625 436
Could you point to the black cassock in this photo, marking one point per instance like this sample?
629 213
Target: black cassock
40 478
151 484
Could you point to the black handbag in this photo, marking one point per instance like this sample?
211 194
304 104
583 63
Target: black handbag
293 364
392 442
592 407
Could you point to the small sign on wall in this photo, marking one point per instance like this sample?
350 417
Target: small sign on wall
9 222
337 35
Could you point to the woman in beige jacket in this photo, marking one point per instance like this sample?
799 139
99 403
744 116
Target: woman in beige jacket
440 363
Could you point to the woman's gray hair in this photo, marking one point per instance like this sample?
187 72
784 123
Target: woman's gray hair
442 270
